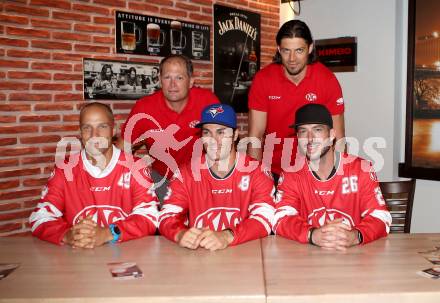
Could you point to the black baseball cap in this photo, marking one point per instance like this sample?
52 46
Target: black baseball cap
313 114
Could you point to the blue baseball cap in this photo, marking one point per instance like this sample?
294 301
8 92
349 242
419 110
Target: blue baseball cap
222 114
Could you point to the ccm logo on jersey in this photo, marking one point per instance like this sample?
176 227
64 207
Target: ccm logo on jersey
311 97
274 97
222 191
324 192
100 188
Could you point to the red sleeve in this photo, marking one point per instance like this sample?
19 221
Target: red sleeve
261 209
287 221
376 219
142 221
257 94
47 220
174 212
334 100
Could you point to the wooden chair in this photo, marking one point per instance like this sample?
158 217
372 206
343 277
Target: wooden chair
399 196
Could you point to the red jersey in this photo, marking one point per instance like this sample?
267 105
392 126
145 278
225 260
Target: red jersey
160 116
111 196
242 202
352 194
273 93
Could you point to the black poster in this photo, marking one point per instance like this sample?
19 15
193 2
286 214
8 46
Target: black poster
236 56
156 36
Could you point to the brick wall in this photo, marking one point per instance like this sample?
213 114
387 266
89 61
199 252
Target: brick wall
42 43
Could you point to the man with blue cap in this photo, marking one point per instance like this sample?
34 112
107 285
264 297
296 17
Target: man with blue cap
222 201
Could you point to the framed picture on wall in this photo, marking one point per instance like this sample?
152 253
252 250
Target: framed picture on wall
124 80
156 36
422 140
236 54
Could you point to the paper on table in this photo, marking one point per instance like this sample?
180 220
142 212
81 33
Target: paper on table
432 273
125 270
7 268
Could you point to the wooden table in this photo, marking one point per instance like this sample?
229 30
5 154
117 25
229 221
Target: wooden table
50 273
271 270
382 271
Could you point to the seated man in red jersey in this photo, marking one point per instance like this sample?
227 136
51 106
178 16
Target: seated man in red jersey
165 121
218 201
333 200
100 198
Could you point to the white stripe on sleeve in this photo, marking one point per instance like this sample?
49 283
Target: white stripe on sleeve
42 215
147 210
282 212
384 216
169 210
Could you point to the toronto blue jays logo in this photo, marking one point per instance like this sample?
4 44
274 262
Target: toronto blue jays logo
214 111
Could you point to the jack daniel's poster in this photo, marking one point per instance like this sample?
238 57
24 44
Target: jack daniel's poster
236 56
156 36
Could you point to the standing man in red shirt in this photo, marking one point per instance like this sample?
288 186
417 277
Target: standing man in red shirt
278 90
220 200
334 200
167 119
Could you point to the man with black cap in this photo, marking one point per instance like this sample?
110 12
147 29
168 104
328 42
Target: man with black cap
334 200
221 198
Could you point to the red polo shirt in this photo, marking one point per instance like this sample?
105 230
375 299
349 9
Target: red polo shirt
273 93
156 107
